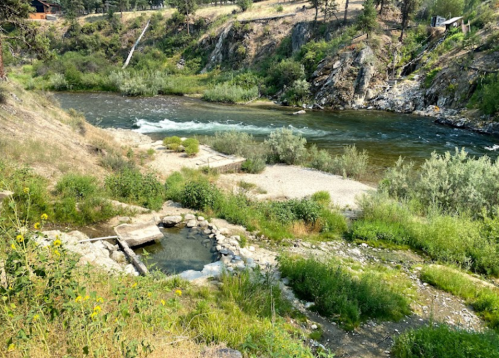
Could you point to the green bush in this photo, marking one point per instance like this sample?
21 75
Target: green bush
244 4
77 186
191 146
287 147
338 294
322 197
443 341
174 187
453 183
130 185
430 76
172 143
199 195
228 93
298 92
352 163
286 73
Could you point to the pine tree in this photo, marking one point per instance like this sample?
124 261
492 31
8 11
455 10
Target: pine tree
366 22
408 8
186 7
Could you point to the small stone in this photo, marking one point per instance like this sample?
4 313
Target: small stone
224 231
252 248
188 217
130 270
314 327
191 223
169 221
200 218
207 231
219 247
118 256
203 224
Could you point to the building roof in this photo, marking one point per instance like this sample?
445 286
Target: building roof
451 21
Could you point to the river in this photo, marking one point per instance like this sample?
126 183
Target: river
386 136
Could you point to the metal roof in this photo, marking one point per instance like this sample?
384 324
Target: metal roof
451 21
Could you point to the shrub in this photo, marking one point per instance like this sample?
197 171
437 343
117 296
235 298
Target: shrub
76 186
285 73
244 4
172 143
298 92
287 147
452 183
490 101
430 76
228 93
336 293
322 197
174 187
132 186
191 146
443 341
279 8
199 195
352 163
116 162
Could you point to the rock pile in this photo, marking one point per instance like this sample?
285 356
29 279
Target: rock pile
97 253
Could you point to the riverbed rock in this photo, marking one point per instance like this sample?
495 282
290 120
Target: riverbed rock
300 112
188 217
203 224
299 36
138 234
191 223
170 221
118 256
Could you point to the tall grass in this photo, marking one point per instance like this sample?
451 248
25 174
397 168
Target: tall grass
336 293
228 93
483 298
445 342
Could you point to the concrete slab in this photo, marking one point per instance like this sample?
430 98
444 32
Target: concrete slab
138 234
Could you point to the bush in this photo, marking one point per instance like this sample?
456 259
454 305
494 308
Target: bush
191 146
172 143
287 147
130 185
285 73
175 184
322 197
76 186
244 4
298 92
199 195
430 76
352 163
452 183
443 341
337 294
228 93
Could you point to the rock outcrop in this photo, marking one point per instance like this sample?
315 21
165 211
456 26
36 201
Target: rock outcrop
299 36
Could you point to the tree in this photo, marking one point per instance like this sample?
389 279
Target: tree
122 5
346 13
12 15
72 8
447 8
186 7
366 21
244 4
330 8
382 4
408 8
316 5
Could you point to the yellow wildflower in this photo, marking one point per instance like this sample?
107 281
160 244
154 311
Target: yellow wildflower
86 297
78 299
35 317
93 315
97 309
13 246
134 285
57 242
26 190
12 347
178 292
11 288
19 238
163 302
44 217
57 252
99 299
149 294
37 226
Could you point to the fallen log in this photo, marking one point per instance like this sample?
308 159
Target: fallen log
135 45
269 18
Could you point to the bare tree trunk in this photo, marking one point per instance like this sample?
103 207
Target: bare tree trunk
2 69
382 6
346 13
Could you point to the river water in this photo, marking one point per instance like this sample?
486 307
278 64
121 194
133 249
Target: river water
386 136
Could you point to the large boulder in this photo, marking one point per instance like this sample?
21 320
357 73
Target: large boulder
170 221
299 36
138 234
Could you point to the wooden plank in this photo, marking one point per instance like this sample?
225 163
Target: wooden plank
134 259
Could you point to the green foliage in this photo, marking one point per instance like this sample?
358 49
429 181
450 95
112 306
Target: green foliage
443 341
244 4
285 73
483 298
430 76
366 21
452 183
172 143
287 147
336 293
228 93
448 8
279 8
199 195
352 163
130 185
191 146
297 93
486 97
322 197
76 186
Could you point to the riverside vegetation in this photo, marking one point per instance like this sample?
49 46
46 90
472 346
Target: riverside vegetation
47 297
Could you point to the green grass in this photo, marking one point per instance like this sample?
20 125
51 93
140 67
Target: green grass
484 299
445 342
340 295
